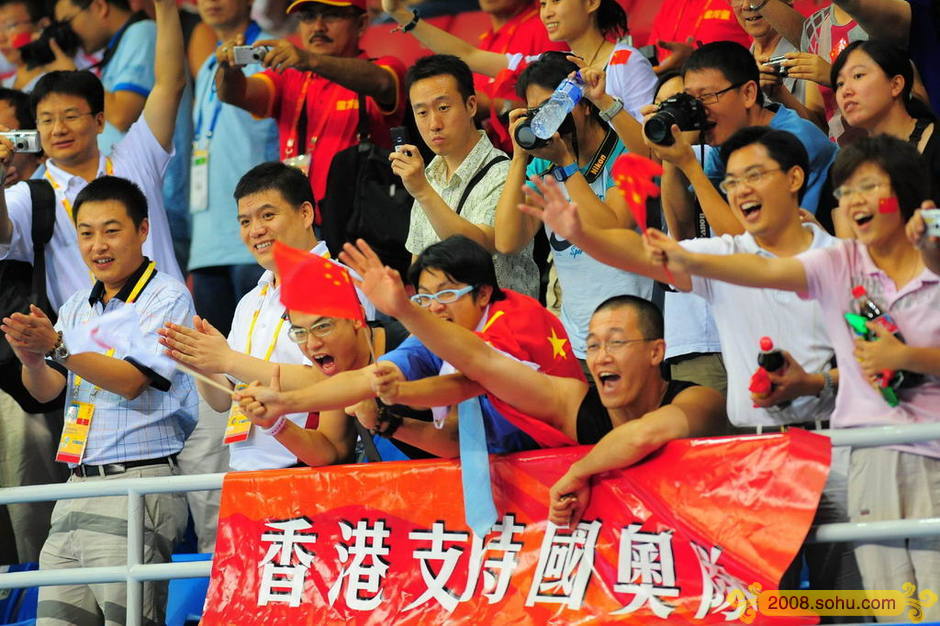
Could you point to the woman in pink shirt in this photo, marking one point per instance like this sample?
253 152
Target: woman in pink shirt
879 181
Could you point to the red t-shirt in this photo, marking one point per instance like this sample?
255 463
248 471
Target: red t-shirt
524 33
332 115
704 20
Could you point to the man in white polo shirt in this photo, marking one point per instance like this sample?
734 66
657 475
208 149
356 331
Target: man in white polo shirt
274 204
69 108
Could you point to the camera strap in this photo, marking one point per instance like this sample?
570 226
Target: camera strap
600 158
109 51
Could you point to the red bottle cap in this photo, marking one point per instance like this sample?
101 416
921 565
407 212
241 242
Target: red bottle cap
858 291
766 344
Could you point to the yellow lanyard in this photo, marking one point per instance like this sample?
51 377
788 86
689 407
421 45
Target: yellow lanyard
66 203
130 299
251 327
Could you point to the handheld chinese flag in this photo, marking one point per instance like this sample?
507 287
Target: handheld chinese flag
634 176
314 284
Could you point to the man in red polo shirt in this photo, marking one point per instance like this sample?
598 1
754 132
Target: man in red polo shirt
314 92
684 24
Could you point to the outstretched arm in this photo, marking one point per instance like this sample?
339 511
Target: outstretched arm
695 412
446 390
549 398
442 42
750 270
881 19
169 74
618 247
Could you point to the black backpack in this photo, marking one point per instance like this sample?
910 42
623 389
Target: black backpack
22 284
365 200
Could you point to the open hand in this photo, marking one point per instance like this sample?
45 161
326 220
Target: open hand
30 333
550 205
381 284
202 347
679 52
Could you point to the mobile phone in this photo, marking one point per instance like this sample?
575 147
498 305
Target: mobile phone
400 138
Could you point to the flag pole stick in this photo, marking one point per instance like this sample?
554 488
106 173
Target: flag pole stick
203 378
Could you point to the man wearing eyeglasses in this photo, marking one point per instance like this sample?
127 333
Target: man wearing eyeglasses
766 175
723 76
274 204
456 282
313 92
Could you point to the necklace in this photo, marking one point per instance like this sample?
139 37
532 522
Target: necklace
596 52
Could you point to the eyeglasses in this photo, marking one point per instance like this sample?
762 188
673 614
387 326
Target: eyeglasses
329 14
753 177
865 188
612 346
300 334
713 97
69 119
443 297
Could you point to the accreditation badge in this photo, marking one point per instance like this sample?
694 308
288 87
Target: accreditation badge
301 162
238 427
75 433
199 181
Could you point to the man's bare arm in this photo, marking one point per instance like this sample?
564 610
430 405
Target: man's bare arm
169 74
881 19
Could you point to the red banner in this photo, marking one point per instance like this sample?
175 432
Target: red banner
692 534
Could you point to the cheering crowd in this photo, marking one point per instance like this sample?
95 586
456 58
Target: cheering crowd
158 159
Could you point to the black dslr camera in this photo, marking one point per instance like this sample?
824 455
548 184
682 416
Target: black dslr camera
681 109
526 138
37 53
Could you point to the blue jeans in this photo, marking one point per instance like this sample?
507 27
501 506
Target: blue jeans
217 290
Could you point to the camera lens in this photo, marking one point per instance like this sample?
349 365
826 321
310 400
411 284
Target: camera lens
658 128
526 137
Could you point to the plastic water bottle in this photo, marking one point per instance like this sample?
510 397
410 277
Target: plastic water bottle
772 361
551 114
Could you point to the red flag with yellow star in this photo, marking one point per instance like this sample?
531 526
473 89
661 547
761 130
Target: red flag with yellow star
525 330
315 284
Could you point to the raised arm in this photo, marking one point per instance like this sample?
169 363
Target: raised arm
513 228
697 411
442 42
169 74
749 270
784 19
881 19
548 398
617 247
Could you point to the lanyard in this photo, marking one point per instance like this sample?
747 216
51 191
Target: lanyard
251 34
254 319
135 292
66 203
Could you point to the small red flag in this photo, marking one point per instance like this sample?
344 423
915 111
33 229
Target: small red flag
620 57
888 205
315 284
634 175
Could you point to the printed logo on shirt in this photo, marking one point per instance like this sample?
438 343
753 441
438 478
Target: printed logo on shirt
347 105
717 14
620 57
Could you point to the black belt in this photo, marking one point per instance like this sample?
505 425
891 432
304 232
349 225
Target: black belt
110 469
780 428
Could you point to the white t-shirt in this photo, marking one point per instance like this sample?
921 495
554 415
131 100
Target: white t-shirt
138 157
744 315
262 451
630 76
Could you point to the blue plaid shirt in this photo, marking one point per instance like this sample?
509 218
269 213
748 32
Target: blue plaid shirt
155 423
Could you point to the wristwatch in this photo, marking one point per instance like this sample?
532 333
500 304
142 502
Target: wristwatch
59 352
615 108
404 28
562 174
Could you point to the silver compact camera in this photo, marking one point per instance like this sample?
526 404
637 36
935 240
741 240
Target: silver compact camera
23 140
777 64
246 55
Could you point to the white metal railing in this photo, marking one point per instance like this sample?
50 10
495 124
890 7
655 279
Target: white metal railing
136 572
